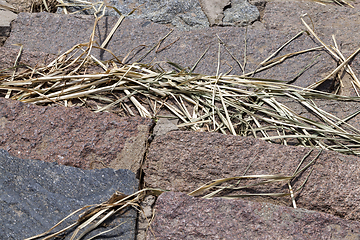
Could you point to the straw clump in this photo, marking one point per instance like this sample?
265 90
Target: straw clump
237 105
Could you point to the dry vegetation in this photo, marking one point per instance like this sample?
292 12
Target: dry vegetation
238 105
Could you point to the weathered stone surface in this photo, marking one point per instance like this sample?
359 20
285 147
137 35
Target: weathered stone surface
73 136
214 10
340 109
58 33
30 58
145 216
164 126
240 14
178 216
183 161
184 14
35 195
326 20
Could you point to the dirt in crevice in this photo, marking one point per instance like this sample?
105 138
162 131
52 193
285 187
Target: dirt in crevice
33 6
260 4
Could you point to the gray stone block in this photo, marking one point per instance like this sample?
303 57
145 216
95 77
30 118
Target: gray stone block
183 14
35 195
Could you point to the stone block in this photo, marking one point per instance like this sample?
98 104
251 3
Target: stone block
36 195
73 136
178 216
55 34
27 58
184 15
184 161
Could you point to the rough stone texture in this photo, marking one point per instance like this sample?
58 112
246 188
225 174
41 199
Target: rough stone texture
57 33
184 14
240 14
183 161
145 216
35 195
73 136
8 57
340 109
178 216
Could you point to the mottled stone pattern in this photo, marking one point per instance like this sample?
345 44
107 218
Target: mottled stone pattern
183 14
72 136
57 33
178 216
183 161
8 57
35 195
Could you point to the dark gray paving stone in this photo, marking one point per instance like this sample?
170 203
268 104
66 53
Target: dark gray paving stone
179 216
182 14
35 195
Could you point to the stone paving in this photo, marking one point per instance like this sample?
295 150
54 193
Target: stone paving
36 195
175 160
179 216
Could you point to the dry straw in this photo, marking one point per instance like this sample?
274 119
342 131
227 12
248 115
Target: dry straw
238 105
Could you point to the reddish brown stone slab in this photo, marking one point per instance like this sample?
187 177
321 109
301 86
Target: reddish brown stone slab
178 216
56 33
8 57
73 136
183 161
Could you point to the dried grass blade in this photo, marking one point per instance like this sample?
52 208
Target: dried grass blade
116 26
231 127
155 45
317 38
233 57
16 61
336 70
197 62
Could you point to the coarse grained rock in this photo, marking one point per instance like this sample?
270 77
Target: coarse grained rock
214 10
179 216
240 14
58 33
184 15
73 136
35 195
8 57
184 161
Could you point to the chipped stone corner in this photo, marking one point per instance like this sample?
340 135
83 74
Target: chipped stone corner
145 216
133 152
214 10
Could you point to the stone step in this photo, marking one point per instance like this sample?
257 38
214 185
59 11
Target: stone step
183 14
55 34
73 136
179 216
36 195
183 161
30 58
